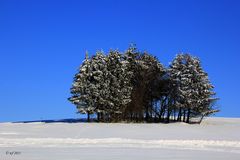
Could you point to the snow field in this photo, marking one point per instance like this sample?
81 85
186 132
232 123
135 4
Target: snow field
215 138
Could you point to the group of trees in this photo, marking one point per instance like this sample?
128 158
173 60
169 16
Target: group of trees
135 87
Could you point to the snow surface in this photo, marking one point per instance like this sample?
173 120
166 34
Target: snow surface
215 138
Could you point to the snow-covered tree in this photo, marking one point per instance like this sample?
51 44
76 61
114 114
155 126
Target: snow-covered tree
204 92
192 89
152 71
99 84
146 72
134 108
119 85
135 86
102 85
81 89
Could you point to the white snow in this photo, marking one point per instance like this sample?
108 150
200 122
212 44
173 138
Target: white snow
215 138
8 133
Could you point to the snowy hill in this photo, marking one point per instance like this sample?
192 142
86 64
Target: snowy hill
215 138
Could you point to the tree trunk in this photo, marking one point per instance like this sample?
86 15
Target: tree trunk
88 117
201 119
188 115
174 114
179 115
98 117
184 115
168 116
147 114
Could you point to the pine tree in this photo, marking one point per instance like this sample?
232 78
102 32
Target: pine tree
81 89
204 92
118 84
135 86
151 71
191 86
146 71
132 58
99 83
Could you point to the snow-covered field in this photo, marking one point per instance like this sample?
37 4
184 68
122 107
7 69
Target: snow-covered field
215 138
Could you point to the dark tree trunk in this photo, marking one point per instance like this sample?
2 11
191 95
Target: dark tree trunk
88 116
147 114
179 115
168 116
174 114
188 115
98 117
201 119
151 109
184 115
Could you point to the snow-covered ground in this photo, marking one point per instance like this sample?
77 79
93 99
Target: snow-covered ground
215 138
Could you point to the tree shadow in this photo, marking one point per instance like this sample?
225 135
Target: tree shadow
70 120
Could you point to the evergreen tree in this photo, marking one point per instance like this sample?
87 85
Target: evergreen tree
118 84
135 86
99 83
81 89
134 109
147 71
151 71
204 92
191 86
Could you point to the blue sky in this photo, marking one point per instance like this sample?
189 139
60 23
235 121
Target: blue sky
42 43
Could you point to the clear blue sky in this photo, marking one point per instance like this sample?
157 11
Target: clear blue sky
42 43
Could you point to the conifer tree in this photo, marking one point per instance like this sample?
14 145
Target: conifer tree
81 89
118 84
191 86
135 86
99 89
147 71
151 71
204 94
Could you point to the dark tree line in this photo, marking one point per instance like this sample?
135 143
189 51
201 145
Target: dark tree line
135 87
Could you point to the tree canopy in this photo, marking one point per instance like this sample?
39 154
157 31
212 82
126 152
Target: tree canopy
134 86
